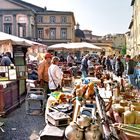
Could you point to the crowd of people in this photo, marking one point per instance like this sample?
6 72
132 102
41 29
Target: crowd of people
50 75
121 66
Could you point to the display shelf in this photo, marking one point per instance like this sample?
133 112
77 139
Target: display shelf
9 96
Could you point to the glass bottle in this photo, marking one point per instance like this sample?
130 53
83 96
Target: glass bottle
122 89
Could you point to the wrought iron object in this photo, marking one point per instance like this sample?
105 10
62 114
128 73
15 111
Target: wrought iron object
109 133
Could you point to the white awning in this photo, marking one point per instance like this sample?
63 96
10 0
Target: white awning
17 40
75 46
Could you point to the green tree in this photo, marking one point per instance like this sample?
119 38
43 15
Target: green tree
123 50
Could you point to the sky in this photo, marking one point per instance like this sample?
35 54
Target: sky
100 16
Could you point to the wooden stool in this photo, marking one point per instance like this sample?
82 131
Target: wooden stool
67 82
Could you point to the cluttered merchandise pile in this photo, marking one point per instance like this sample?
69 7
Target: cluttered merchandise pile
93 110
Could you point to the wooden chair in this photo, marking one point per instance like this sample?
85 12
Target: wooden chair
67 78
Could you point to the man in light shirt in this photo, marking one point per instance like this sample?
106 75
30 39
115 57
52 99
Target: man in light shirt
55 74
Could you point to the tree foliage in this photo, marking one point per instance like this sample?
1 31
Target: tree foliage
123 50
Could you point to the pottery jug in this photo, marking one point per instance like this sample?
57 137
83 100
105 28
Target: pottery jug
73 132
83 121
93 133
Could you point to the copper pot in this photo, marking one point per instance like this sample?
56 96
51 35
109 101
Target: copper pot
93 133
83 121
74 132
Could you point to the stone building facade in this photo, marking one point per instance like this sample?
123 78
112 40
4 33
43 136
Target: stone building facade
29 21
133 37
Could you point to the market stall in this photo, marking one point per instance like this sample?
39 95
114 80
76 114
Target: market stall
125 112
78 49
13 77
95 109
79 115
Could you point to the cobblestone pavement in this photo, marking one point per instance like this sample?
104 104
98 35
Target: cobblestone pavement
19 126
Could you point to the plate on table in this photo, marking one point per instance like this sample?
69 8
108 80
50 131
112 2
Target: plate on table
63 106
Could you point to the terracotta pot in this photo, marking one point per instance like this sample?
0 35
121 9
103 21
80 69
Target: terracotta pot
132 136
135 106
123 102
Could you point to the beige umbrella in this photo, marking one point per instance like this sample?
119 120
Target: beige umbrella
59 46
75 46
83 46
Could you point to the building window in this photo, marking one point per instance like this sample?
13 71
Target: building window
63 33
52 33
8 28
40 33
63 19
22 29
32 30
7 18
52 19
39 19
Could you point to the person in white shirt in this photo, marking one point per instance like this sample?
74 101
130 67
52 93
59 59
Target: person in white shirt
90 64
70 60
55 74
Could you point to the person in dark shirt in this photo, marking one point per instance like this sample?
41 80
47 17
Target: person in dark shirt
84 66
6 61
32 74
130 65
108 63
0 59
119 67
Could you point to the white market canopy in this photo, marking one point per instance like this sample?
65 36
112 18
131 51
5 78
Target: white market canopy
59 46
75 46
16 40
